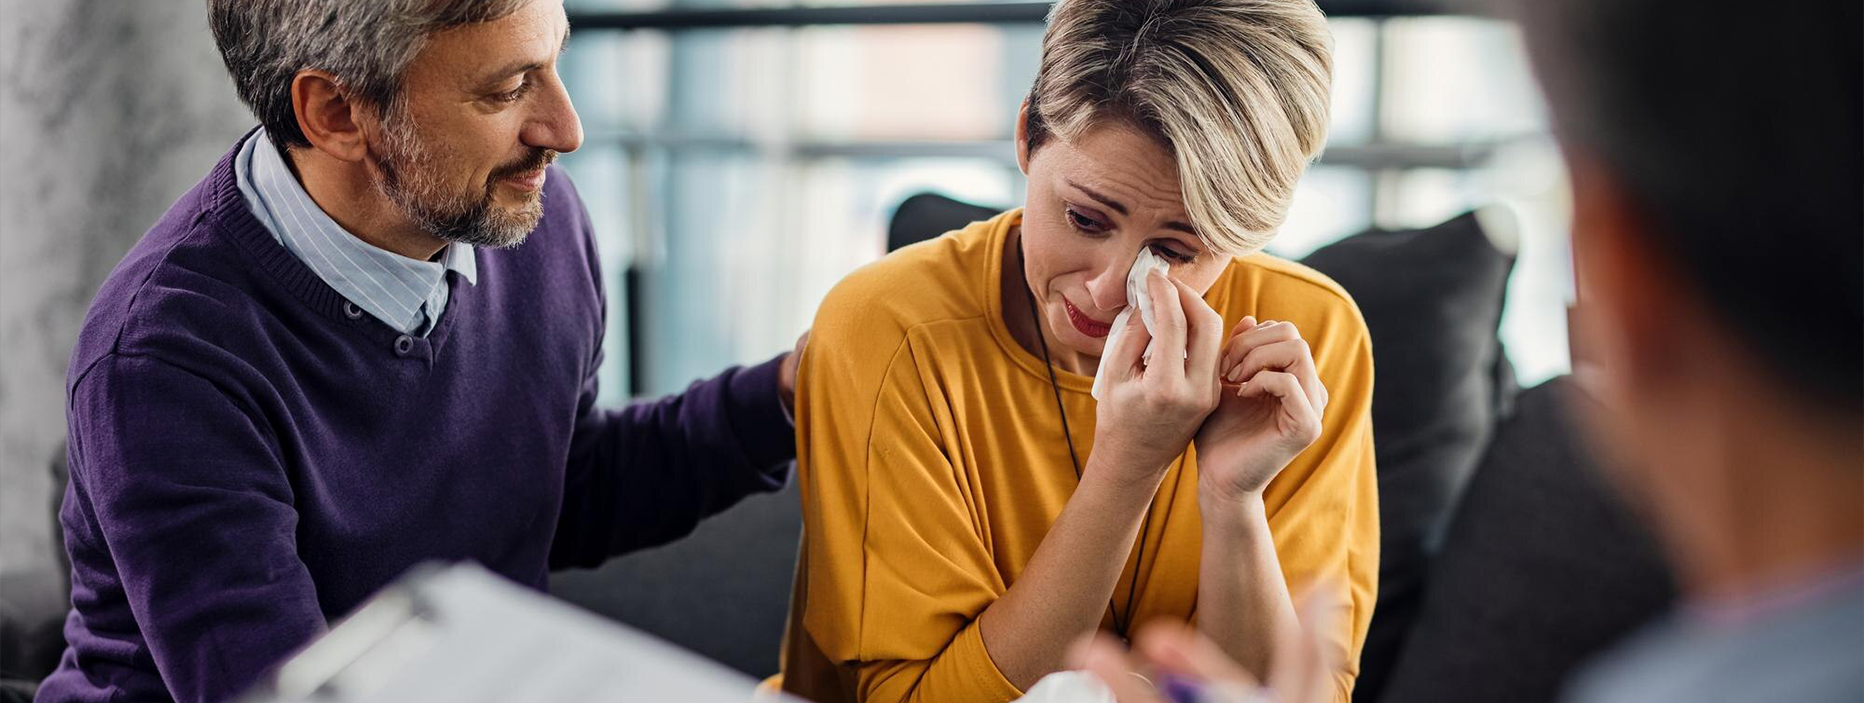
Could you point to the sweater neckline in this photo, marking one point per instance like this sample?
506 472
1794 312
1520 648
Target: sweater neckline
226 211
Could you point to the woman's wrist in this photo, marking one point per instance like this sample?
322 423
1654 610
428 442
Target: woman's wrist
1105 476
1230 513
1111 466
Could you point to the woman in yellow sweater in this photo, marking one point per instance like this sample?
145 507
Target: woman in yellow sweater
969 509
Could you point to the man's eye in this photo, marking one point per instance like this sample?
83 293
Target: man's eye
513 95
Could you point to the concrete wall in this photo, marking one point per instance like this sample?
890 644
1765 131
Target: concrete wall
109 110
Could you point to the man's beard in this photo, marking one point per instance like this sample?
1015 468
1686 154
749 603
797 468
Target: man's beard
412 179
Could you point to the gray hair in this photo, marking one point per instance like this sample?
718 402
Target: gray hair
1237 90
366 45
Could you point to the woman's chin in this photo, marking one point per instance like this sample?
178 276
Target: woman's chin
1084 345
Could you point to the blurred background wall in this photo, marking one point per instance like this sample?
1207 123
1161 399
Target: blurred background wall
109 110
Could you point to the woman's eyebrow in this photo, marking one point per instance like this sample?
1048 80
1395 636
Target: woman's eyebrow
1104 200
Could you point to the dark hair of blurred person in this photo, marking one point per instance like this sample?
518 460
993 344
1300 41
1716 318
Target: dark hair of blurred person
1717 164
1717 160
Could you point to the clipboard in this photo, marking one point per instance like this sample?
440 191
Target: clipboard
459 633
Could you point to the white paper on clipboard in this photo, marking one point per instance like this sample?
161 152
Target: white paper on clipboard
457 634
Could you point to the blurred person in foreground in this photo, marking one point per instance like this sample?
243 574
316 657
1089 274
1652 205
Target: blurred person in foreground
971 508
1717 164
366 339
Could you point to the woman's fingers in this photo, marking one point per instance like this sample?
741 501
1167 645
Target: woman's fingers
1168 327
1265 332
1124 349
1302 422
1291 356
1206 336
1272 345
1244 325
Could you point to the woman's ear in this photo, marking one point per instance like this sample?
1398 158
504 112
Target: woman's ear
1022 137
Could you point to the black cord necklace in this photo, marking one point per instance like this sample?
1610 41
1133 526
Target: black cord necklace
1121 626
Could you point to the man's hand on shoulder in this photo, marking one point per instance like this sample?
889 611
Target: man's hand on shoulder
786 375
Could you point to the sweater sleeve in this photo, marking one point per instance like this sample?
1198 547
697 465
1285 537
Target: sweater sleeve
897 570
184 486
646 474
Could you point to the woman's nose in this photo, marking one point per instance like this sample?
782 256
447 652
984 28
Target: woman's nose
1107 286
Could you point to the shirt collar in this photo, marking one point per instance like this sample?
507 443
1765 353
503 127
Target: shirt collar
387 285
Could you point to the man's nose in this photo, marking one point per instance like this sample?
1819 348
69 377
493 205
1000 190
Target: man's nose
555 125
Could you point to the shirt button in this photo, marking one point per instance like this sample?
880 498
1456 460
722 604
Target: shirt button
403 344
351 311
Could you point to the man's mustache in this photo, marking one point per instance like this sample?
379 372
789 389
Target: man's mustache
538 158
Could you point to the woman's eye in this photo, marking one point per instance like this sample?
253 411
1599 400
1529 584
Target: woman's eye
1173 254
1083 222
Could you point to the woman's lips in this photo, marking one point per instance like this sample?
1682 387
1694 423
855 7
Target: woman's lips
1084 324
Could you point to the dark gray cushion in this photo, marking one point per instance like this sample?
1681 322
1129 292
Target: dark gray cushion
33 603
17 691
722 591
927 215
1432 300
1541 568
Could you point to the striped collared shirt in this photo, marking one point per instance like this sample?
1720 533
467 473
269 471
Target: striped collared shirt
406 294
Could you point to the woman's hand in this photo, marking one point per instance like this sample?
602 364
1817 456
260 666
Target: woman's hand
1150 411
1270 411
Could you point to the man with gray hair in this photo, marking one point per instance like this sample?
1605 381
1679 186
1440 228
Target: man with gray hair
368 338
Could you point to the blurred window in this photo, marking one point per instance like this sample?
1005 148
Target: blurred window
734 175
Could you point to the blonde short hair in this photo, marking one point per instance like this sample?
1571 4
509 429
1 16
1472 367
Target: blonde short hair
1236 90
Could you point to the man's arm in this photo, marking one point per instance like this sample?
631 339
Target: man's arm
183 484
646 474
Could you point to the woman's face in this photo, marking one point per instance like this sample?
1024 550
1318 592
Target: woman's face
1092 205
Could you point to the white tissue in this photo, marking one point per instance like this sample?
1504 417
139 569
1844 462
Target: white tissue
1137 297
1068 687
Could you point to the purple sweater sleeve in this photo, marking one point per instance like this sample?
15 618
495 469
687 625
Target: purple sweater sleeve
188 497
646 474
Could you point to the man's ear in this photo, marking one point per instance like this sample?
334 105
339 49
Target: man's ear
1633 305
330 120
1022 137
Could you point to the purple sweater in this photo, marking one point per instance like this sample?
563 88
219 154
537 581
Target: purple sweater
248 462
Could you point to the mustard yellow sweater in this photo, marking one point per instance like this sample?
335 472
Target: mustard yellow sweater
931 463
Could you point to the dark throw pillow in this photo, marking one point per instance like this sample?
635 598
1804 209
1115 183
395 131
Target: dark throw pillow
1432 300
1541 568
927 215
